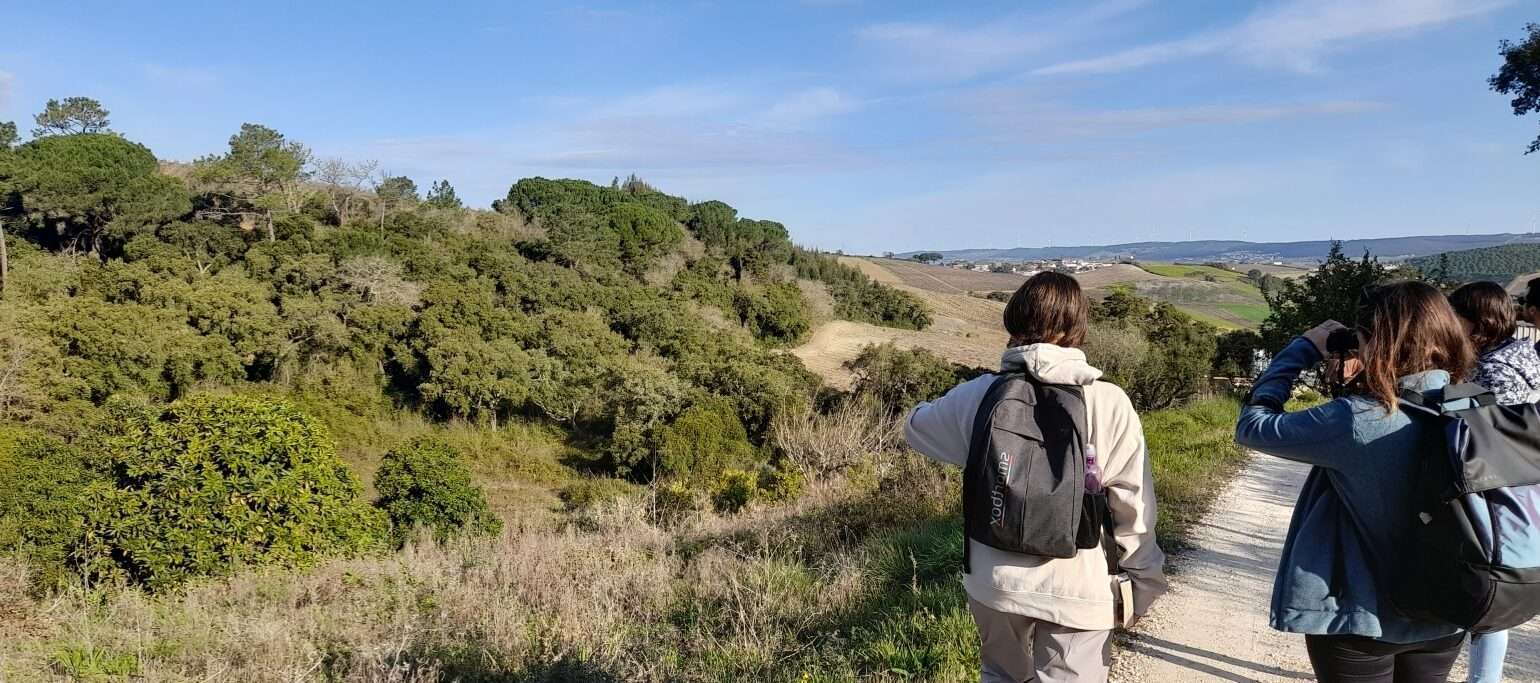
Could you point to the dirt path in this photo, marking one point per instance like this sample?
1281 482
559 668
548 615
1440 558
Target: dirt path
1212 626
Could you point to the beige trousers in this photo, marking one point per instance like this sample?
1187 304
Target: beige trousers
1018 649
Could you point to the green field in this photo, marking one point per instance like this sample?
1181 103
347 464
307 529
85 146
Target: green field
1186 270
1223 298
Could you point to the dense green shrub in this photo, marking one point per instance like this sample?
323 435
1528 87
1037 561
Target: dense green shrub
900 378
41 504
1117 349
703 441
424 483
215 482
734 490
1178 363
776 315
781 484
857 297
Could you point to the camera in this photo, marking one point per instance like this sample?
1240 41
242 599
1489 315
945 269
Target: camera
1341 345
1342 342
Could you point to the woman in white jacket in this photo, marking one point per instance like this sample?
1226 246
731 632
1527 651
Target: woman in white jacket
1041 618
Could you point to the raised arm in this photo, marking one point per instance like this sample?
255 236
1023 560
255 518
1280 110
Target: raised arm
1303 436
942 429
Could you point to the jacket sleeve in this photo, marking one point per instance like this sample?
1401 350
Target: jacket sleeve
1504 381
1120 447
943 429
1304 436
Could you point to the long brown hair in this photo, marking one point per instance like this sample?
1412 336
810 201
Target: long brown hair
1048 308
1409 327
1488 313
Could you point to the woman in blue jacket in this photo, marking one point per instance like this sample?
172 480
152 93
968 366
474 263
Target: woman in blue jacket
1356 511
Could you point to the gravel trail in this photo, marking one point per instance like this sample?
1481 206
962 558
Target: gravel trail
1212 626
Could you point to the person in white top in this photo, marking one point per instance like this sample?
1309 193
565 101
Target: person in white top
1039 618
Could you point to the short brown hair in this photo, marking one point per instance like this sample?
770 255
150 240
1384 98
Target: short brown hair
1488 312
1049 308
1409 327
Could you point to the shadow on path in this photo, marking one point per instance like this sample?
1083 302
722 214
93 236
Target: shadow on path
1168 651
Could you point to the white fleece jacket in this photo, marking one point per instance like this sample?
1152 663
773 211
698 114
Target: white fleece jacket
1076 591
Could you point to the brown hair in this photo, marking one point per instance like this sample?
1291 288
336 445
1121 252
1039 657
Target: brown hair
1488 313
1048 308
1409 327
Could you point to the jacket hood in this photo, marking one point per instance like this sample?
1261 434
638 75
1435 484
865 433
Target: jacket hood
1050 364
1425 381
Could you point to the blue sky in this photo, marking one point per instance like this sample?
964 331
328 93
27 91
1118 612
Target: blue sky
866 126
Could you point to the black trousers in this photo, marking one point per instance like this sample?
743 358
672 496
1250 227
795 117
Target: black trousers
1356 659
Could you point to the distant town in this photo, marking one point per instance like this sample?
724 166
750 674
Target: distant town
1028 268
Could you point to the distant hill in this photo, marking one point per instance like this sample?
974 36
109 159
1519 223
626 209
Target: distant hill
1499 264
1387 248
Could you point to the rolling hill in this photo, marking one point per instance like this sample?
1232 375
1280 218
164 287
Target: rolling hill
1499 264
1388 248
967 328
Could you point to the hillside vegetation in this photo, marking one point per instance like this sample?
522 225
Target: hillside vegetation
1498 264
273 418
241 313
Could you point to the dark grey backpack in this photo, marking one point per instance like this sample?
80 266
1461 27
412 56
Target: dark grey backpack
1024 487
1477 535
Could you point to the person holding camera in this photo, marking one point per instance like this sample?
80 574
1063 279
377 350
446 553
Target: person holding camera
1353 517
1509 367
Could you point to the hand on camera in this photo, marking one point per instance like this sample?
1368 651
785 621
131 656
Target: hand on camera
1320 333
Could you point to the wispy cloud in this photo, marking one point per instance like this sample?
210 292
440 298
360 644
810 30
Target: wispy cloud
937 51
7 86
1296 35
676 130
670 101
806 106
181 76
1015 115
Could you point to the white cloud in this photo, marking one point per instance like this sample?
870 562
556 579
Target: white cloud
181 76
934 51
672 101
806 106
1018 116
678 131
7 86
1295 35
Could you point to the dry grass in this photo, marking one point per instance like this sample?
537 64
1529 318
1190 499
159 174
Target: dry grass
604 594
821 445
856 579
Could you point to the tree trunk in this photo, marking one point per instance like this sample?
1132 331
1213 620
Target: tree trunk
5 262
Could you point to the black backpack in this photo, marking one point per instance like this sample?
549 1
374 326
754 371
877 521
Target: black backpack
1476 556
1024 487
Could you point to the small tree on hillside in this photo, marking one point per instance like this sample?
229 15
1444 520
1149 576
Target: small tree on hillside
425 483
442 196
261 176
71 116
